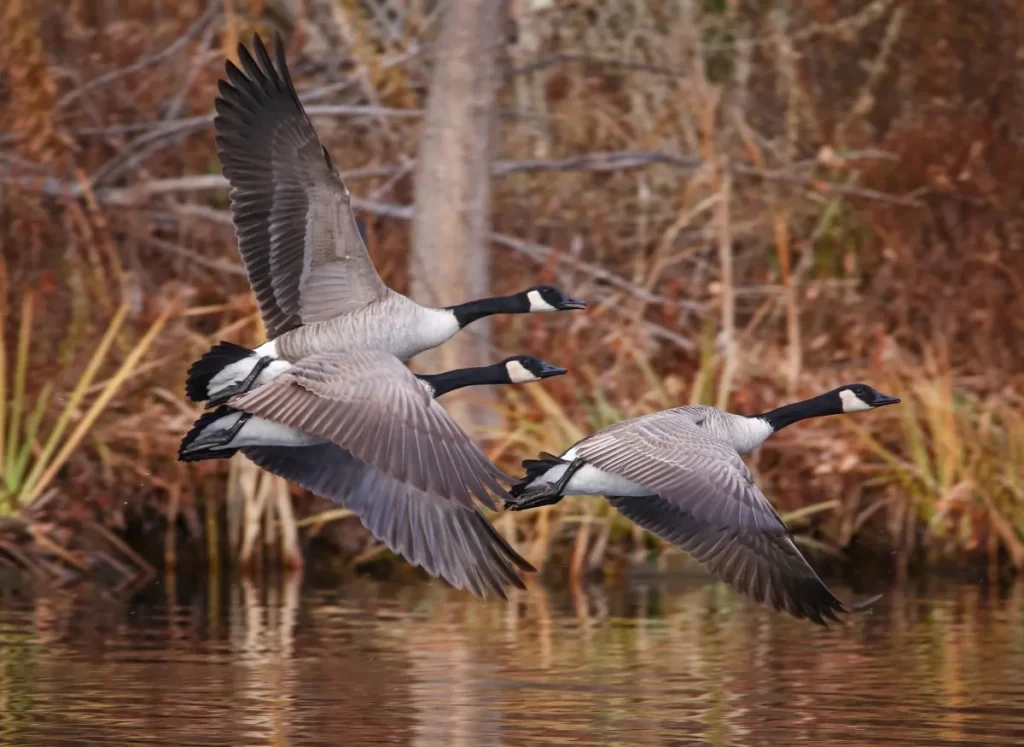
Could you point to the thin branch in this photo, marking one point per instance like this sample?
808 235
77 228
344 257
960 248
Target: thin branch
148 144
595 162
588 59
180 251
541 253
728 287
599 162
537 252
148 61
199 60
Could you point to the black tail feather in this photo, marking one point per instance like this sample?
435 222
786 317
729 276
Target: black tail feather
216 359
534 469
197 428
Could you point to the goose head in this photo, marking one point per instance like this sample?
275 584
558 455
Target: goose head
549 298
861 397
844 399
522 369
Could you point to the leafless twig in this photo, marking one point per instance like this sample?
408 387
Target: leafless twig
148 61
597 162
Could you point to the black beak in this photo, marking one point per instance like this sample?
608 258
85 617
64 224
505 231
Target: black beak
567 303
881 400
546 370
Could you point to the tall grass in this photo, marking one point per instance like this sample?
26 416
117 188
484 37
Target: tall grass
954 466
37 439
817 188
33 454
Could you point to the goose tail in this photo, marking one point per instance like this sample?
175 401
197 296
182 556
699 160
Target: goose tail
217 359
535 468
206 438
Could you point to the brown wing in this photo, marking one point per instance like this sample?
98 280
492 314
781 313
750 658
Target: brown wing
672 457
766 567
298 238
372 405
444 538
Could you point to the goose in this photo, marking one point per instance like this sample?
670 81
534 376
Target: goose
362 430
303 252
678 473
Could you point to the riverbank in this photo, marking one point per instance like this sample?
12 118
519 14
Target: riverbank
748 226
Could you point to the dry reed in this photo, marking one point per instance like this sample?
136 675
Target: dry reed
759 201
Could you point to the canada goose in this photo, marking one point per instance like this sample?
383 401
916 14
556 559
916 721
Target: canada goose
303 252
678 473
425 512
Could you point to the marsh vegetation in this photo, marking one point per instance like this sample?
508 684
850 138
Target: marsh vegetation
760 201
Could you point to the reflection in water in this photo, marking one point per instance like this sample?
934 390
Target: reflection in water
668 663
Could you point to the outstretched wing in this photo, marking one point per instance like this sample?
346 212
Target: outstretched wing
445 538
372 405
298 238
679 461
767 567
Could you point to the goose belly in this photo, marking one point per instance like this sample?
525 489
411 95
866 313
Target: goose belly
260 432
402 329
589 480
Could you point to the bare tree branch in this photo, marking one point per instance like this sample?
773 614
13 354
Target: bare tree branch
595 162
209 15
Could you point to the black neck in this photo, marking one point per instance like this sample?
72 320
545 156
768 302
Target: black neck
443 383
469 312
823 404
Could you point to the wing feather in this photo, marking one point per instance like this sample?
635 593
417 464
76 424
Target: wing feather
361 401
445 538
300 245
672 457
766 567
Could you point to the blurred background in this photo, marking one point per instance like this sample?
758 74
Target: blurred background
760 201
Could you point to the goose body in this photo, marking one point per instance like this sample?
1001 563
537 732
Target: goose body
305 257
679 474
363 431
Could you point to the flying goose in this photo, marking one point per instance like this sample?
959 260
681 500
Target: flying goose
423 512
678 474
303 252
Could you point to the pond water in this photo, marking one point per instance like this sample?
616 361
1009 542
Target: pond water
671 662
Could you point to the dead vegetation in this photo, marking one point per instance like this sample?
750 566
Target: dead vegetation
760 201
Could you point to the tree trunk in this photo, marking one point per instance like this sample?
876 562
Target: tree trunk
450 260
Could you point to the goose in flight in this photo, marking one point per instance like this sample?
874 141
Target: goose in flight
363 431
317 288
678 473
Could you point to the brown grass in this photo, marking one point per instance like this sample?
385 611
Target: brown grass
758 204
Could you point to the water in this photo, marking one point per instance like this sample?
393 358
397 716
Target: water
362 663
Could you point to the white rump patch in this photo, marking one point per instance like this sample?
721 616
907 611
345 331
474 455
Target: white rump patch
851 402
537 302
267 349
260 432
230 374
589 480
518 373
237 371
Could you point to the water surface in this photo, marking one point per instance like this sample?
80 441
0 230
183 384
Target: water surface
364 663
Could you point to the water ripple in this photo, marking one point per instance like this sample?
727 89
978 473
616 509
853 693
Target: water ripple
363 664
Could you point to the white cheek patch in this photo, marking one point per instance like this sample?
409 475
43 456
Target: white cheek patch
518 373
852 403
537 302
